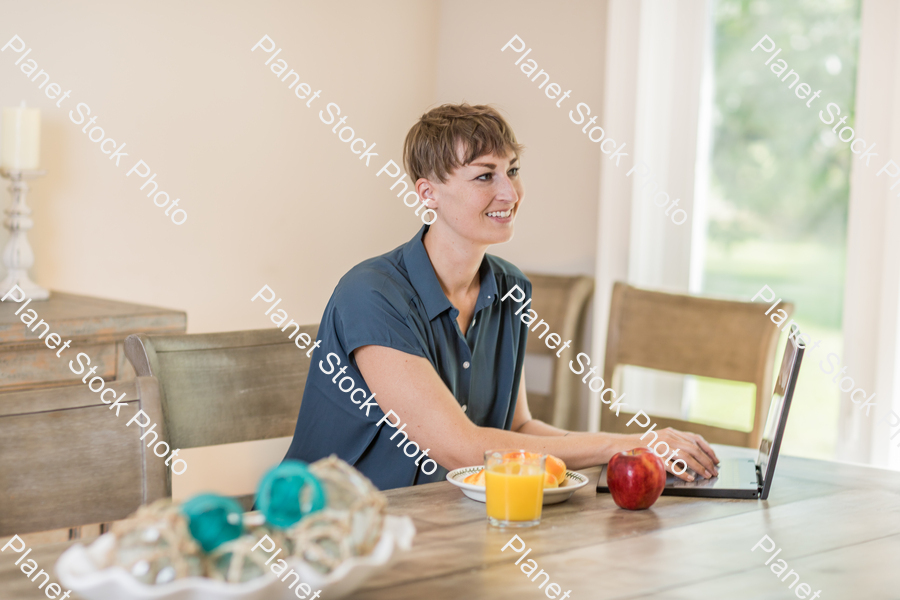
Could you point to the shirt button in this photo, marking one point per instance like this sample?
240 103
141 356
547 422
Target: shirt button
466 365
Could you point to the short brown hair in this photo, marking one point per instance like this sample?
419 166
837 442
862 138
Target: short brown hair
431 146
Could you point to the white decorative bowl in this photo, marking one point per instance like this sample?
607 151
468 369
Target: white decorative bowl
78 572
573 482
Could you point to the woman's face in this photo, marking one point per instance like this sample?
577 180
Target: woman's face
479 201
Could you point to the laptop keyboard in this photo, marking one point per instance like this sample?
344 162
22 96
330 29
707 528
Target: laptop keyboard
699 481
737 474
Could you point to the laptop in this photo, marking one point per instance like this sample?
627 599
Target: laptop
745 477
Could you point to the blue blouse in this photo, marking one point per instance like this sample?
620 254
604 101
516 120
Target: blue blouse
396 301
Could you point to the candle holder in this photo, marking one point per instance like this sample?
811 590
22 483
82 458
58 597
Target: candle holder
18 256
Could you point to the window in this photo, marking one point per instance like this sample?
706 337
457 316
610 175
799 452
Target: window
778 192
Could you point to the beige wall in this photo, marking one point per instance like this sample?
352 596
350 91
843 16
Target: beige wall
556 228
273 197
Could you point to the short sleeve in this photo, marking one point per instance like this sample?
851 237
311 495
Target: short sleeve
370 309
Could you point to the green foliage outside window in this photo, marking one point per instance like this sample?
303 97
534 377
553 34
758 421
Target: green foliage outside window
779 190
779 176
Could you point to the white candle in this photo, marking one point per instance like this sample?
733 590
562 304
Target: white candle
21 138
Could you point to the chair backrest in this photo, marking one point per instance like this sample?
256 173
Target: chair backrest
66 460
221 388
691 335
562 302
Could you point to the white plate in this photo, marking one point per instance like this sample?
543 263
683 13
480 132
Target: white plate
551 495
77 571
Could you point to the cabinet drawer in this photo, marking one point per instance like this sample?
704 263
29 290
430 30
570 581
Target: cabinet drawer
40 366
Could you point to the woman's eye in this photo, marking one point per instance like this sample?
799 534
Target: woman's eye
485 177
514 171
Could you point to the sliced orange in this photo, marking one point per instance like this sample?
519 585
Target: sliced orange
553 465
557 467
521 455
475 478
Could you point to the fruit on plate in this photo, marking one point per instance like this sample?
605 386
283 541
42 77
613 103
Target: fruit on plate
476 478
552 464
636 478
550 480
555 470
520 455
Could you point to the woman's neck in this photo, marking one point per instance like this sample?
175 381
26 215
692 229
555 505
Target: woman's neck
456 261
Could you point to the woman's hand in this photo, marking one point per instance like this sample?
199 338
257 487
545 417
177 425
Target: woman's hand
692 449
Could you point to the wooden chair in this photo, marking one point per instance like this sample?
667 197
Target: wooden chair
562 302
67 460
222 388
695 336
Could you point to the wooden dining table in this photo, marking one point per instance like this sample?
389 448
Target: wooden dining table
836 525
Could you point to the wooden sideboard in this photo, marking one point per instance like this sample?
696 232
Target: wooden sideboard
96 326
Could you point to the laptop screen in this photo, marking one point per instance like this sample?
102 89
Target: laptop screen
778 411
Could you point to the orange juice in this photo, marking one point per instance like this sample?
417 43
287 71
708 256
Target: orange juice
514 490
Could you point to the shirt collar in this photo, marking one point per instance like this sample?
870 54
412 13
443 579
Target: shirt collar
425 281
487 294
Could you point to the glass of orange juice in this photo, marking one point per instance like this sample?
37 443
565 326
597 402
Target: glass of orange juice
514 487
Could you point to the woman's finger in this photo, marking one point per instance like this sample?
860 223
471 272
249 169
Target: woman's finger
708 468
688 448
692 464
706 447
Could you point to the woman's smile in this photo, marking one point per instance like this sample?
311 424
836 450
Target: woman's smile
501 216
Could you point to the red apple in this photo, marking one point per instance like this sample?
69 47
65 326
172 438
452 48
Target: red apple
636 478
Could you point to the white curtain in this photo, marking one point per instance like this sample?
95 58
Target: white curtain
872 284
655 59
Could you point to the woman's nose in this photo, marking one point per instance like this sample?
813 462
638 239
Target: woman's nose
506 190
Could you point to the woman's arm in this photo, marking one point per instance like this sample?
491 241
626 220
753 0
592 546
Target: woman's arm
411 387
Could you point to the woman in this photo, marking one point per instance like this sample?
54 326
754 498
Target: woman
418 362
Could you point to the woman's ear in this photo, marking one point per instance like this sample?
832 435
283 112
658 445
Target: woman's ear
427 192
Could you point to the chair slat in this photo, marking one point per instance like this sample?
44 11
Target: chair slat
708 337
222 388
560 301
67 460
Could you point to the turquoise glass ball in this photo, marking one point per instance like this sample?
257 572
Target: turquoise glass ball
213 520
289 492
